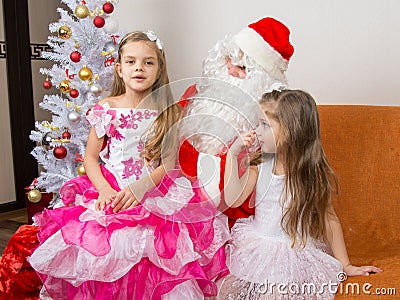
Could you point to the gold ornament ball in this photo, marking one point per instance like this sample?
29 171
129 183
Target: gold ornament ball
81 170
64 32
85 73
34 196
81 11
64 86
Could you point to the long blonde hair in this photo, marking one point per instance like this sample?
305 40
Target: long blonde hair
169 112
309 180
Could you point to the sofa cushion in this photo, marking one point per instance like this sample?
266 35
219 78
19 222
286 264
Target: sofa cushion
362 144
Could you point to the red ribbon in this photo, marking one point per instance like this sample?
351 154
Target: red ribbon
69 76
32 185
84 2
78 158
114 37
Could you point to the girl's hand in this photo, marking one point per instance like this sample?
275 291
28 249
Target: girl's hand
105 197
243 141
351 270
124 199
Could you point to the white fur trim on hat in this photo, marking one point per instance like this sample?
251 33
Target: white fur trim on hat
257 48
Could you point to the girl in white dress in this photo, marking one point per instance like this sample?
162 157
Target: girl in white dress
284 251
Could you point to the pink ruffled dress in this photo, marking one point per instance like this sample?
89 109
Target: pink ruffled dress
169 247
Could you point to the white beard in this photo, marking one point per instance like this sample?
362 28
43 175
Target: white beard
225 106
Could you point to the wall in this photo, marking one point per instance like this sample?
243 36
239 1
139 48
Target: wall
6 171
40 16
345 51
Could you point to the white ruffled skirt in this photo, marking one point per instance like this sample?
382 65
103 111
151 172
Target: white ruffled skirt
265 267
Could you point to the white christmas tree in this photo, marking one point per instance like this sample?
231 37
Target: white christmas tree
84 45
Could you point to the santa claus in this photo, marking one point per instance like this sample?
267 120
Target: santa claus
223 104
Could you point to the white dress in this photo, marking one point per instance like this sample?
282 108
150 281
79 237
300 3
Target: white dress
263 264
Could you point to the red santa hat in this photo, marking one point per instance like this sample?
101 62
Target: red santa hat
267 42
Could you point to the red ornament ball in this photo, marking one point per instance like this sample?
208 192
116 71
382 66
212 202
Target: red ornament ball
99 22
47 84
66 135
108 8
60 152
75 56
74 93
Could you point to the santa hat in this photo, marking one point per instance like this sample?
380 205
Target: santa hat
267 42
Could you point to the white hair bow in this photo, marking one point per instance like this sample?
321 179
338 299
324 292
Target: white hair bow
277 86
152 37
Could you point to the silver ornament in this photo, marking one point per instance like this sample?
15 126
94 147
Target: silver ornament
74 117
111 25
95 89
110 49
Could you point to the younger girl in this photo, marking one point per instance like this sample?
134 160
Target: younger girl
280 253
109 245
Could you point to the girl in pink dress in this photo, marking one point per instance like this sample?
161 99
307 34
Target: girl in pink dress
293 248
137 229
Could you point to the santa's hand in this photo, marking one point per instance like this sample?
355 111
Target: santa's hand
243 141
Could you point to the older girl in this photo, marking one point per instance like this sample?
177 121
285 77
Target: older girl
121 239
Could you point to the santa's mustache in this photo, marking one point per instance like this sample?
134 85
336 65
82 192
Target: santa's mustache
256 83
